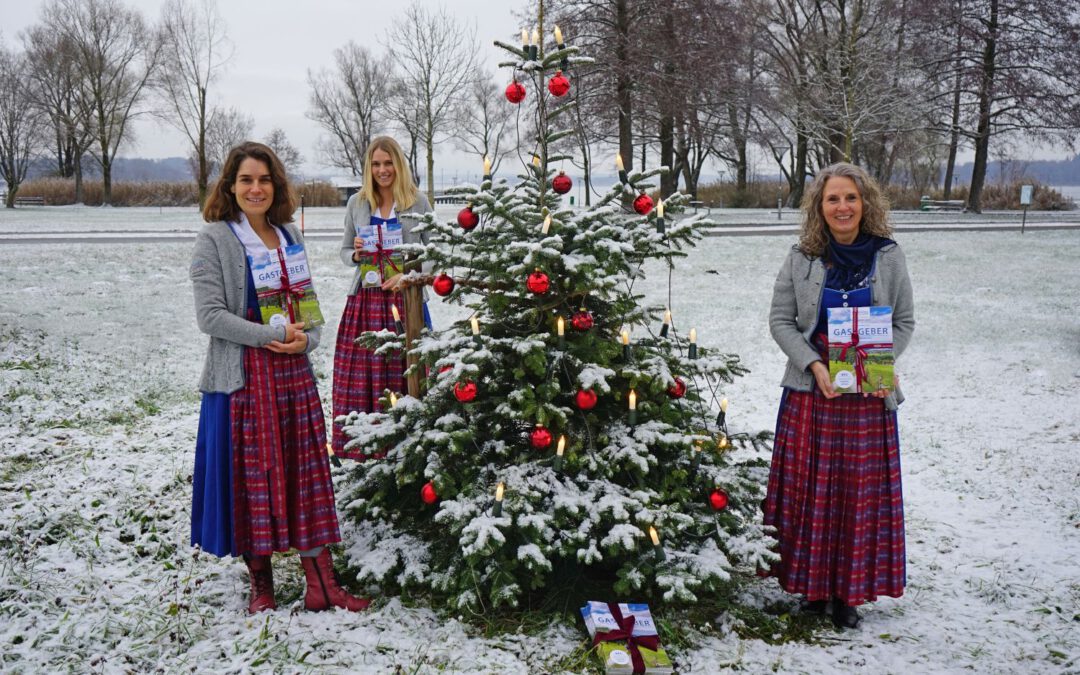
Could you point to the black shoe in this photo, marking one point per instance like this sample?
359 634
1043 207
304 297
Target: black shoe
844 615
813 607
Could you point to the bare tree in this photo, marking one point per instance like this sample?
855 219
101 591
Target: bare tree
227 129
436 58
54 87
195 50
484 122
286 151
344 102
20 122
116 55
1016 71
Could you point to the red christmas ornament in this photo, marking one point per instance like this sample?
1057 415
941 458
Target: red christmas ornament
515 92
677 390
538 282
585 399
561 183
540 437
643 204
718 500
558 85
465 391
428 494
582 320
467 219
443 284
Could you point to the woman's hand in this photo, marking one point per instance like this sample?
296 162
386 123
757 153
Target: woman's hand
395 283
358 249
295 340
824 382
882 393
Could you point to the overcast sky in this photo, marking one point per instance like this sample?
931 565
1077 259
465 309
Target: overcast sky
276 41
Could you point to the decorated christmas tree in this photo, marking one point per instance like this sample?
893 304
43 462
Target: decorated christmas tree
566 431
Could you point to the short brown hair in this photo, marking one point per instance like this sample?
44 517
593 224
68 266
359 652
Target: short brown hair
221 202
813 237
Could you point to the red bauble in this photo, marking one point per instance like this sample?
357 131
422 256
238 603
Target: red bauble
643 204
561 183
540 437
558 85
515 92
443 285
538 282
718 500
582 320
465 391
585 399
677 390
428 494
467 219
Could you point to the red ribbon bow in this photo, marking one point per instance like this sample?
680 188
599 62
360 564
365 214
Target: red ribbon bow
381 253
626 632
287 289
860 349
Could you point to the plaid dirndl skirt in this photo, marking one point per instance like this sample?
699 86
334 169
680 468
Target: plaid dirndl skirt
283 496
361 377
835 498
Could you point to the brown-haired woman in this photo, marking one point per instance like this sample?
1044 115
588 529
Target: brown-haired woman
834 492
378 219
262 477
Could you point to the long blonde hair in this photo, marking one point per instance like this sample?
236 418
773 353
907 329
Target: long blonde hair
813 236
403 188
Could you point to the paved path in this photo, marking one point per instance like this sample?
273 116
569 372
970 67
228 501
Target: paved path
62 225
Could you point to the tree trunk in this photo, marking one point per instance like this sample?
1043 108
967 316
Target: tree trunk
798 176
982 131
78 181
623 84
954 134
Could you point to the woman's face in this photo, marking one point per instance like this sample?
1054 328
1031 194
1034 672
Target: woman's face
841 206
382 169
254 189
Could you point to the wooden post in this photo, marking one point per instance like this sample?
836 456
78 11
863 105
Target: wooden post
413 298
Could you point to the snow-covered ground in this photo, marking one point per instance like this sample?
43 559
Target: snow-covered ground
99 359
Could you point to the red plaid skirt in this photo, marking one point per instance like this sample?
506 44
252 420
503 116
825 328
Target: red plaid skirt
282 493
360 377
835 498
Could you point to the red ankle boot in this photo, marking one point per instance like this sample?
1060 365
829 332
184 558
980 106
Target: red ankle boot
262 583
323 591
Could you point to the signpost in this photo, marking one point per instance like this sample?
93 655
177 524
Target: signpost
1025 200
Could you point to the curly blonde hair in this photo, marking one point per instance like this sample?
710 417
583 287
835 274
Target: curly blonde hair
813 235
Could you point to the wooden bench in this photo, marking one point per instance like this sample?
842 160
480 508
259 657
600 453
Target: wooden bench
700 205
449 199
927 204
29 201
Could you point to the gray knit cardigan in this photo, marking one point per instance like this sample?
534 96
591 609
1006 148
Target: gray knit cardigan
220 277
797 296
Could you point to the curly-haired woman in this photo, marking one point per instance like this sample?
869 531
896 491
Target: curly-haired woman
834 494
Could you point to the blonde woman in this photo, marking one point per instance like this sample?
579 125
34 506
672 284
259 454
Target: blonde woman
378 219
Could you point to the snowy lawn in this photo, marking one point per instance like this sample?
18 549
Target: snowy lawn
99 359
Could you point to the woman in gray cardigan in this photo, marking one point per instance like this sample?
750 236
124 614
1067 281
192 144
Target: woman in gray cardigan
834 494
378 220
261 482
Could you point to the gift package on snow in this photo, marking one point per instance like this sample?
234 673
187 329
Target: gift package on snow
625 637
860 349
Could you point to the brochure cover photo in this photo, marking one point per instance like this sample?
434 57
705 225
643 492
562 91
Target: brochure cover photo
861 349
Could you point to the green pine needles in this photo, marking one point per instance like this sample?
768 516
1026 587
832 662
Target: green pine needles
586 513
